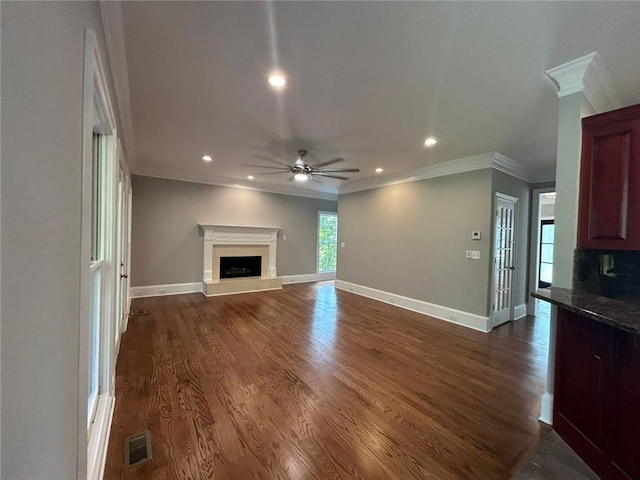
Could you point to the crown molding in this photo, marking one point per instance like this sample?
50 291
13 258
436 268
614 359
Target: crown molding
511 167
169 174
587 75
452 167
113 25
483 161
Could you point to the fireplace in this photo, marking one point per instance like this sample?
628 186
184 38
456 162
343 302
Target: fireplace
236 267
238 258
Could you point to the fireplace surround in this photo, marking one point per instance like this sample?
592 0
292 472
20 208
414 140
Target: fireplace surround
224 241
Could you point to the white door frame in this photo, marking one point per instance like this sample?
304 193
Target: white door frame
534 256
513 279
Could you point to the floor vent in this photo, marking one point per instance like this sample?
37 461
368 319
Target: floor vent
137 449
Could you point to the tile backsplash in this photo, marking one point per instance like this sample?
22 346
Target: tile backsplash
610 273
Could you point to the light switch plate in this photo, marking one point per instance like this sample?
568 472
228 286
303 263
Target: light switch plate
476 235
475 254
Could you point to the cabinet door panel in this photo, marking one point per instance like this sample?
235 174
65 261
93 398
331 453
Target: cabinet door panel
583 364
609 216
626 451
609 196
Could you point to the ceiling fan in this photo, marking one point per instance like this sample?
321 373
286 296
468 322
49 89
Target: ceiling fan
303 171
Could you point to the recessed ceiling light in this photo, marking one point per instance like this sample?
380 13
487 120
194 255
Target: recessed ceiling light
277 80
250 177
430 141
301 177
379 170
207 158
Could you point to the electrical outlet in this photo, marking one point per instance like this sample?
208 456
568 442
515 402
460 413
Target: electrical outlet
475 254
342 244
284 237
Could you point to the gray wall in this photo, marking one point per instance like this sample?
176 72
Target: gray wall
42 88
166 243
520 189
410 239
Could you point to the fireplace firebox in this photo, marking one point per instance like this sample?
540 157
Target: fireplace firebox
236 267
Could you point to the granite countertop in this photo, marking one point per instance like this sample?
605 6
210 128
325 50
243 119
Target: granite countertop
619 314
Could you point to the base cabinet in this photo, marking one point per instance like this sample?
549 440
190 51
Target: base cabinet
626 426
597 394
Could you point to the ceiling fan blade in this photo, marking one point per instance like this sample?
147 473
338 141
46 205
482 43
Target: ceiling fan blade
339 177
273 160
338 170
265 166
274 173
329 162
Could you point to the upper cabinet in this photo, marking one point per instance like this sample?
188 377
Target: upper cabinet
609 212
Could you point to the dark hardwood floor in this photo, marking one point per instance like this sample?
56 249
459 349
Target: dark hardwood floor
313 383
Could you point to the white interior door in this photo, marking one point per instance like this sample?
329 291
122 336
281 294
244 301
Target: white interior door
504 258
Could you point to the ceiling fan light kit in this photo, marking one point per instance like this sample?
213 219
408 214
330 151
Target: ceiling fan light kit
302 171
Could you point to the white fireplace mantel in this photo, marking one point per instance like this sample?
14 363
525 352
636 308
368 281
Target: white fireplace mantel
238 235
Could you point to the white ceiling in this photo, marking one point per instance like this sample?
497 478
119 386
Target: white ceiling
367 81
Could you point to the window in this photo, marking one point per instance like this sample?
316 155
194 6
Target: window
546 253
327 242
100 272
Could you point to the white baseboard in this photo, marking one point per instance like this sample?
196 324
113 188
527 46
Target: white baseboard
466 319
308 277
520 311
99 437
169 289
546 408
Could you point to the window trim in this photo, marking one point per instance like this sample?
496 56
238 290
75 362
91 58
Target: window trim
320 213
98 117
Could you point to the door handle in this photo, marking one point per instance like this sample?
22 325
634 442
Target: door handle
124 275
512 268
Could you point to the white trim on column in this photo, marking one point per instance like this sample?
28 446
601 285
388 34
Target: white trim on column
167 289
466 319
309 277
587 75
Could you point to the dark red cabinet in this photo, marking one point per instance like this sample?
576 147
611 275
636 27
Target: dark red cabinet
626 430
597 394
609 213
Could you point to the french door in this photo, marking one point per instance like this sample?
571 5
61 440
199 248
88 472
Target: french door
504 257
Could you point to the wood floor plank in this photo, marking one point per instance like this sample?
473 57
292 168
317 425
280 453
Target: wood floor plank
310 382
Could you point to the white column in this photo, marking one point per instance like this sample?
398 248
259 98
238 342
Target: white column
273 247
584 88
207 256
